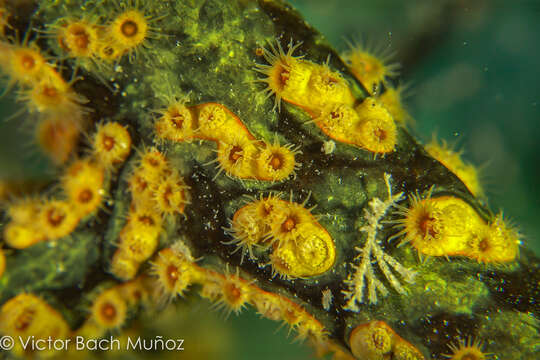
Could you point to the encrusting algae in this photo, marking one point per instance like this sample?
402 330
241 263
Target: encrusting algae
186 139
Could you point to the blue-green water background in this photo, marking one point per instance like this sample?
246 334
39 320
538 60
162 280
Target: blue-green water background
474 72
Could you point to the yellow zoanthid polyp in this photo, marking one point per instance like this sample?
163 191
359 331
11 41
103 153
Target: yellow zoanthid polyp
83 183
140 186
174 272
326 87
217 123
286 76
284 263
288 221
309 327
377 135
108 51
451 159
235 292
111 144
211 284
27 315
21 236
338 121
176 122
372 340
236 157
57 135
376 130
52 94
131 28
423 225
247 231
315 249
370 66
276 162
25 210
496 242
170 194
58 218
250 226
266 208
467 349
214 121
291 312
23 64
140 237
109 309
135 292
79 38
267 304
311 253
123 266
153 164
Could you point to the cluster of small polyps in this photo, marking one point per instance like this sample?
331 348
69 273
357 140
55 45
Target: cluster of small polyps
325 95
83 186
61 116
172 271
175 270
58 108
301 247
27 315
448 226
87 41
157 190
239 154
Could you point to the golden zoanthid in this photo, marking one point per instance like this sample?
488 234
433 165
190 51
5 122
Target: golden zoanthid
371 65
276 162
111 144
467 349
27 315
299 245
109 309
176 122
173 272
129 30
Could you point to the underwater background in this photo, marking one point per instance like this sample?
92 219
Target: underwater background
474 74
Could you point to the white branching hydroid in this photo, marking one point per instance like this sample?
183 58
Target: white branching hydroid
364 275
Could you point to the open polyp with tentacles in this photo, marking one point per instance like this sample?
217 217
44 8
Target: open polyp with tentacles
187 137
